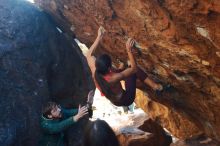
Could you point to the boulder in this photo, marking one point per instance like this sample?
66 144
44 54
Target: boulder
148 133
38 64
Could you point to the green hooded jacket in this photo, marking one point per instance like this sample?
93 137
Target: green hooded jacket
53 128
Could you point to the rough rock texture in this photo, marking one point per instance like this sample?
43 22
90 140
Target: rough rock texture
168 118
37 64
180 44
200 140
136 140
160 137
143 132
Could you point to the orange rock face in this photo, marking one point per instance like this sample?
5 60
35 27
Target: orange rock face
178 125
180 44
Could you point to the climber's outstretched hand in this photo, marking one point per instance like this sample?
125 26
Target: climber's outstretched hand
101 32
82 111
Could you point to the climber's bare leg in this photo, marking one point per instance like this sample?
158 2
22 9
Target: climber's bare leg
141 75
153 85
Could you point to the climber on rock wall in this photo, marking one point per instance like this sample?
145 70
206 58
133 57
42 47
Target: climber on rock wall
107 78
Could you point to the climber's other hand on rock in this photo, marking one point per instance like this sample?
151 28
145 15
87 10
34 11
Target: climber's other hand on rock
130 44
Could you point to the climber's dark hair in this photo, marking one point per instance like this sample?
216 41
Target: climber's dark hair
99 133
103 63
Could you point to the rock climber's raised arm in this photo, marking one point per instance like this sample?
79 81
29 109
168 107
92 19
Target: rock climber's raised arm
89 55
